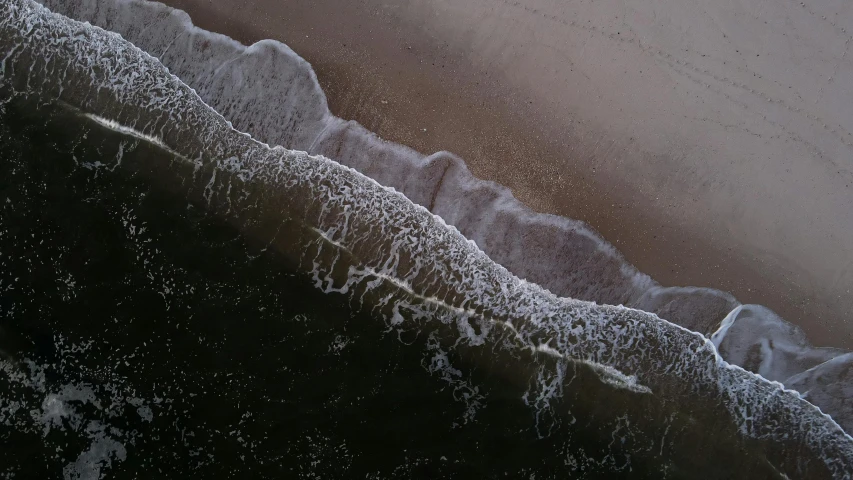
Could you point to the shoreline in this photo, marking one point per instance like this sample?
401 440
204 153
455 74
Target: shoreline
392 88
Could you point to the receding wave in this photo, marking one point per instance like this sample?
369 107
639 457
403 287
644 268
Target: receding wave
664 386
268 91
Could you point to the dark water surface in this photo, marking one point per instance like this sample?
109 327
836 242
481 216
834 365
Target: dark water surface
147 338
169 341
142 334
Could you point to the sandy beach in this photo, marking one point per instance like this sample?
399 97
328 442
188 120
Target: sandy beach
710 144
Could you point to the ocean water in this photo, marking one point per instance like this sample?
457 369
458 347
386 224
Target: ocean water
180 297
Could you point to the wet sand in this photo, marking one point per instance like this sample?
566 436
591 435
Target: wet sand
701 172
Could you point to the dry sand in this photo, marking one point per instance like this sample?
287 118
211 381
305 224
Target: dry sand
710 142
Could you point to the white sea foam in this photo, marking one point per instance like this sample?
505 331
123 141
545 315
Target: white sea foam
113 125
31 403
392 241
